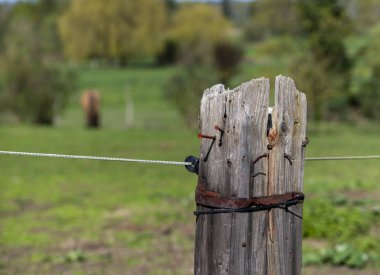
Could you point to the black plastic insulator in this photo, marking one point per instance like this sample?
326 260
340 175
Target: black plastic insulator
194 166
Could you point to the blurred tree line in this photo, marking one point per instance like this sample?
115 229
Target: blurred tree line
113 30
335 58
35 81
335 41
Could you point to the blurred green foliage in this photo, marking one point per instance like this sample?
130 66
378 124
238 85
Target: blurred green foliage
270 18
36 84
340 78
196 28
186 87
338 255
227 58
346 225
336 219
185 94
207 54
4 21
366 74
115 30
323 69
325 25
227 8
364 13
327 66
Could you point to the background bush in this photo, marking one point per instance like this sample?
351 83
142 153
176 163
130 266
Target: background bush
227 58
36 86
185 90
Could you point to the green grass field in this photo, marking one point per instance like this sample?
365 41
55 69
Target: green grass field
89 217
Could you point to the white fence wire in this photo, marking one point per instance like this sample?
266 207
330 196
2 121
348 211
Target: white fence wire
163 162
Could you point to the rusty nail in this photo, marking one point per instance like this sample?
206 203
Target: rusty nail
218 128
206 136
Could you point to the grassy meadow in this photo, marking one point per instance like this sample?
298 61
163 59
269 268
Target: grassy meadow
88 217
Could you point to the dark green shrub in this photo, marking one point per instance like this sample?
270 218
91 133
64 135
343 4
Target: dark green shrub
36 85
370 96
227 57
36 93
185 90
323 69
344 225
327 219
169 54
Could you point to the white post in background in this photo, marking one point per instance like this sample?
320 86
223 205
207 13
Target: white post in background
129 110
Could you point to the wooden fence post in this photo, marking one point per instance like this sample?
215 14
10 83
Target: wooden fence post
240 158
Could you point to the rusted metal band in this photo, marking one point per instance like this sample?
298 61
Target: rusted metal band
216 200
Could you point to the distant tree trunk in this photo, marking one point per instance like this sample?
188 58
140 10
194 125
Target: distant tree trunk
123 60
44 118
45 113
171 5
227 9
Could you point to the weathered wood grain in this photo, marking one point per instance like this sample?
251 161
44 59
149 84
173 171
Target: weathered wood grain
260 242
286 175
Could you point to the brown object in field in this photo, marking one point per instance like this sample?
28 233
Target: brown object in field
91 106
